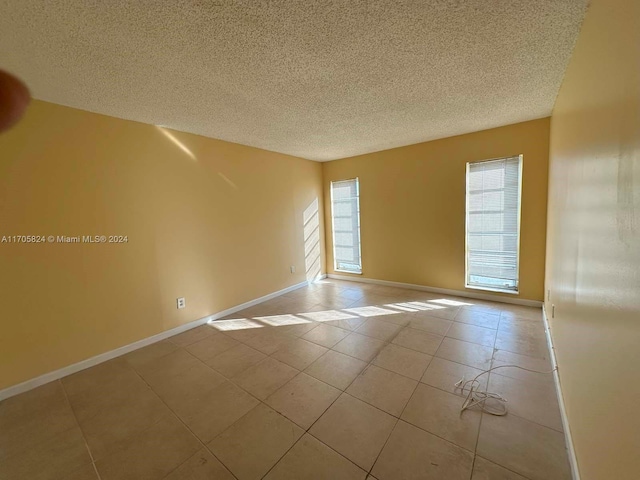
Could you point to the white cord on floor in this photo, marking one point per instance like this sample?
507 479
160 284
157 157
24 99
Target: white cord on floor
479 397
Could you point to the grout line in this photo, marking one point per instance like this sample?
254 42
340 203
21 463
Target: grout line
341 392
66 396
389 342
183 423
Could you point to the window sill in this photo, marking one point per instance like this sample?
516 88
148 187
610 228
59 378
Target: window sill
348 271
489 289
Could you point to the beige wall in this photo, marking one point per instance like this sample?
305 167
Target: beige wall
593 263
412 206
220 229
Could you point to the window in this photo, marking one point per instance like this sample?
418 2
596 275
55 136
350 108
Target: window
493 224
345 216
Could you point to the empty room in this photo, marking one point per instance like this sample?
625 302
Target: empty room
333 240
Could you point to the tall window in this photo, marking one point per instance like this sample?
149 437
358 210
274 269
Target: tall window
345 216
493 224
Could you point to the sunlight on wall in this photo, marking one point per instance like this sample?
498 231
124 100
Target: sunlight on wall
311 222
177 142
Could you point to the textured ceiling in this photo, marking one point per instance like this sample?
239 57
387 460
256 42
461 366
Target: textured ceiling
320 80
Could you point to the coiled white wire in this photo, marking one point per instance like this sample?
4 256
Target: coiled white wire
477 397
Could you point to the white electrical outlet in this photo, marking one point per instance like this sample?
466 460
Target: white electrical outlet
293 268
181 302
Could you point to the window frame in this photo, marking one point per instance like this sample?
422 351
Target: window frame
515 291
333 229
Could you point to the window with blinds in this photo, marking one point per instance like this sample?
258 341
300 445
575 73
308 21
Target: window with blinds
345 216
493 224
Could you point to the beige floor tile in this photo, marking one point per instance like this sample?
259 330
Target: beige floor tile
243 334
266 377
151 454
336 369
193 335
212 346
299 329
447 313
534 401
171 364
383 389
527 448
518 311
299 353
303 399
486 470
142 356
413 454
336 303
255 443
444 374
310 459
269 341
401 360
472 333
201 466
523 344
359 346
402 318
370 310
522 326
437 326
109 418
477 356
324 316
116 373
326 335
418 340
480 318
350 324
281 320
354 429
55 458
212 412
33 417
235 360
503 357
438 412
180 380
379 329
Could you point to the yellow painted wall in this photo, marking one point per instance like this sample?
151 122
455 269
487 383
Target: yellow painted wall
593 264
412 206
220 229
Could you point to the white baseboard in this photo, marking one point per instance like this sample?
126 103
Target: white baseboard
444 291
103 357
573 461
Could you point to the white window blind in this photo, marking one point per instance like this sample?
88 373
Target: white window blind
493 224
345 215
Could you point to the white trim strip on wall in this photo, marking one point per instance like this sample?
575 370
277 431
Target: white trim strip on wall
571 453
103 357
444 291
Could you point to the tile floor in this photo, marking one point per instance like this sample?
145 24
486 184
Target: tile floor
339 380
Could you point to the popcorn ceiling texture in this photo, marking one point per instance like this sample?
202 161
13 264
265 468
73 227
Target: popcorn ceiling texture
319 80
